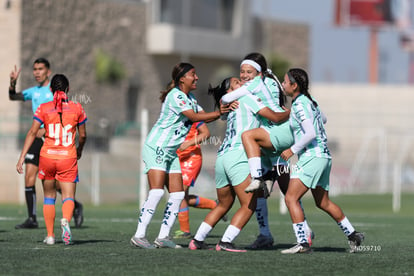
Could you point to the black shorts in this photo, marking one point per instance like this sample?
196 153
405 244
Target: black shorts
32 156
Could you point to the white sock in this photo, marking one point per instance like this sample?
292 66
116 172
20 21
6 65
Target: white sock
262 217
255 166
299 229
147 211
203 231
170 214
230 234
346 226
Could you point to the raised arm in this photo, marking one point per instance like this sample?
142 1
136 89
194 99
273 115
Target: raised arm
235 94
14 75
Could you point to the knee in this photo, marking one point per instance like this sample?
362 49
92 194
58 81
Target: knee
322 204
290 200
246 136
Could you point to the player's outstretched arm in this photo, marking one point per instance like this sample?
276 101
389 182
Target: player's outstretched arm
14 75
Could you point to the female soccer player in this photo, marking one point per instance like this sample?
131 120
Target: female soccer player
178 112
314 163
232 170
59 154
263 145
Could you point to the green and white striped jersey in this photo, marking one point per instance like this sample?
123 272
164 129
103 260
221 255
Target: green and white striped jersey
172 126
302 109
240 120
272 95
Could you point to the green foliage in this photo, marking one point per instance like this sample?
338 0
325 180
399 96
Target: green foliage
278 65
107 68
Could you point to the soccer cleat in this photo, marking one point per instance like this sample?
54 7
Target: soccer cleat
254 185
29 223
182 235
166 243
49 240
66 234
229 247
309 235
141 243
262 242
195 245
355 240
298 248
78 215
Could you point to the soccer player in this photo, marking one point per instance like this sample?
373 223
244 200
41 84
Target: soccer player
232 170
37 94
58 157
178 112
191 160
314 163
263 145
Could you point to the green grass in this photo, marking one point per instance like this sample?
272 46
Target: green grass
102 244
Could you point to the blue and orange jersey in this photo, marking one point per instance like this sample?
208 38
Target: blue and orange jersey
60 136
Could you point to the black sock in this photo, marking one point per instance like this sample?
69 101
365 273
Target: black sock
30 193
77 204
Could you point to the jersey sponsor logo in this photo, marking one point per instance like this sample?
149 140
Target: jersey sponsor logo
57 152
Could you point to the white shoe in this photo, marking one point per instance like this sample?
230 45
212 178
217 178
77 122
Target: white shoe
49 240
256 184
298 248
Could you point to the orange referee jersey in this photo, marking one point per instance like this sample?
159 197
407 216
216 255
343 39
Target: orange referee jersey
60 137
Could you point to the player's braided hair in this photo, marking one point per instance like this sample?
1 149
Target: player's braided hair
300 76
219 91
60 87
261 60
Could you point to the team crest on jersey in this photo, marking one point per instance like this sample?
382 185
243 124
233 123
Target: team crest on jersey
182 103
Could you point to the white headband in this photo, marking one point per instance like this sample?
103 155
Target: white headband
252 63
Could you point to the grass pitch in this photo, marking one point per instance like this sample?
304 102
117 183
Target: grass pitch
102 244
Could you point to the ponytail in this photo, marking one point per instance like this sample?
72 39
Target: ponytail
299 76
219 91
60 87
